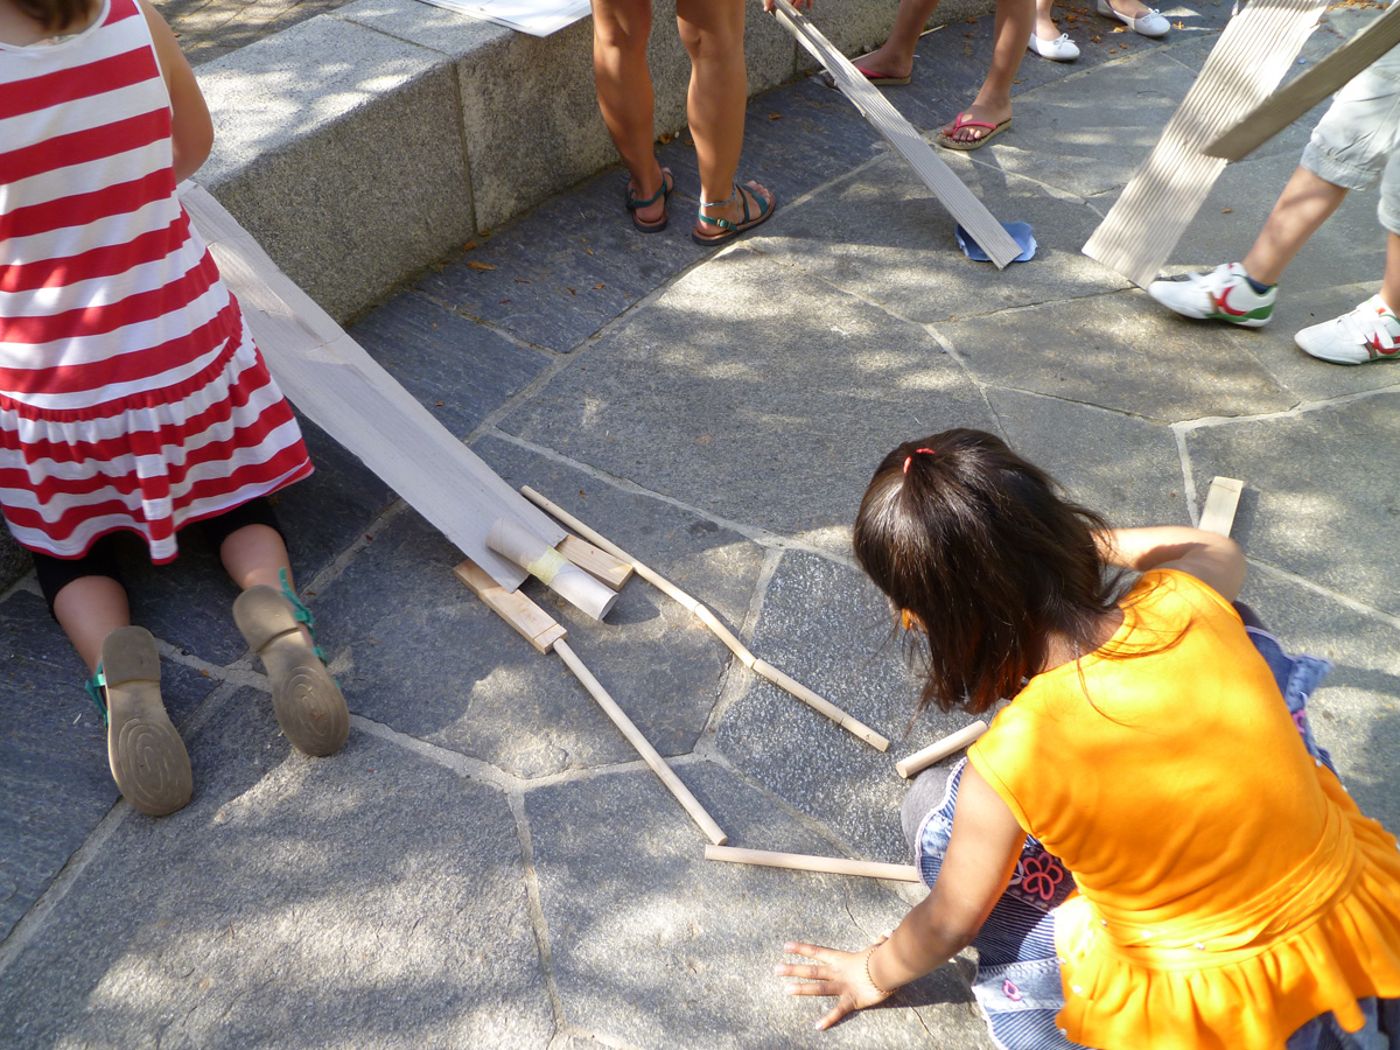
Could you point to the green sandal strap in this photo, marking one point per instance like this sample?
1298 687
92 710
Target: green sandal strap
634 203
93 687
744 195
302 614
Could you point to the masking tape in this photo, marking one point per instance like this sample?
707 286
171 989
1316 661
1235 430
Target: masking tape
547 566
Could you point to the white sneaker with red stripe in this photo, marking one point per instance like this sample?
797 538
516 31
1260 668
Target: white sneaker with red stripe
1371 332
1222 294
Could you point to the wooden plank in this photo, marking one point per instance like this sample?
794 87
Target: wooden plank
1254 52
594 560
532 623
337 385
1286 105
1222 499
869 869
760 667
642 745
939 749
970 213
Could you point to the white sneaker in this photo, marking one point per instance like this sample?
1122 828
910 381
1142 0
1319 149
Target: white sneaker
1371 332
1150 24
1223 294
1061 49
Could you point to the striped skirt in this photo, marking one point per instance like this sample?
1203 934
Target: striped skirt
150 462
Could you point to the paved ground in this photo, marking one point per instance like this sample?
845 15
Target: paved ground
208 29
487 864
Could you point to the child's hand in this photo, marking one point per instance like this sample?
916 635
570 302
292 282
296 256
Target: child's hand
845 975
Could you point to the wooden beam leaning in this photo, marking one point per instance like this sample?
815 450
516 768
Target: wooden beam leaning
335 383
971 214
1254 52
869 869
539 629
1289 103
762 668
939 749
1222 499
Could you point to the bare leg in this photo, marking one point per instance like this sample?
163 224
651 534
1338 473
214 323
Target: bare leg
89 609
1045 26
1015 21
1390 288
255 554
1304 205
895 57
713 34
623 83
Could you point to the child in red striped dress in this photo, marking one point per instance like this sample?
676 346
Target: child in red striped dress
132 396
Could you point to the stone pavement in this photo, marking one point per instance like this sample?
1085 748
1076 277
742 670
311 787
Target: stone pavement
487 864
208 29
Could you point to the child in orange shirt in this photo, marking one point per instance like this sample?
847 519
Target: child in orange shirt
1195 877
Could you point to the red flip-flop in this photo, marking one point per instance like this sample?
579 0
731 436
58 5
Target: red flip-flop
948 141
880 80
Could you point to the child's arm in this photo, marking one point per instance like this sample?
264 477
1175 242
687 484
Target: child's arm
1214 559
192 132
982 854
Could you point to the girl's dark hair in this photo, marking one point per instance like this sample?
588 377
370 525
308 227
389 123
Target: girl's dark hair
58 14
981 546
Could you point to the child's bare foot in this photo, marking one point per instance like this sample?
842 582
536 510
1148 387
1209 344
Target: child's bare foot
974 125
1045 27
885 63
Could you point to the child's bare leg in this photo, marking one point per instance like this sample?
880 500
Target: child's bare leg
1304 205
89 609
1045 26
1015 21
255 554
1390 288
895 57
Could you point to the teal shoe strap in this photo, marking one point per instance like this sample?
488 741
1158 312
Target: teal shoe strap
301 612
93 687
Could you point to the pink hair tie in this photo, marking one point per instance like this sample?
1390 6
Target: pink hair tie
910 459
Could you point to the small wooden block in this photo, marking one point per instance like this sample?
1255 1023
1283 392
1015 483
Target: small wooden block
596 562
1221 502
533 623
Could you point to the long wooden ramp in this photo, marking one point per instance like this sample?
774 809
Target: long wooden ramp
338 386
1164 195
971 214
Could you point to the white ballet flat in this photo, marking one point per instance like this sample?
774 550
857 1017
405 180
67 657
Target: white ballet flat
1061 49
1151 24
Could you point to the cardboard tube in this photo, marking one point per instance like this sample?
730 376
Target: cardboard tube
940 749
518 544
643 746
869 869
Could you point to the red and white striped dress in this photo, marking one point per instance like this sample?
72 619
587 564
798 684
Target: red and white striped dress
132 395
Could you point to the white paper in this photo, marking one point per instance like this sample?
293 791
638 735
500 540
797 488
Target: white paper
536 17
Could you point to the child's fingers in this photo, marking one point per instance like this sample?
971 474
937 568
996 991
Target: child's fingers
812 973
813 988
833 1015
810 951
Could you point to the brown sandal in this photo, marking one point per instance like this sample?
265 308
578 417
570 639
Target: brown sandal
148 759
729 230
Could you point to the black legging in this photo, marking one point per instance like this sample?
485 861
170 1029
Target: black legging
102 557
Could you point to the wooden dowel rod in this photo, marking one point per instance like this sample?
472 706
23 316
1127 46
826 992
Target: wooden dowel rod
939 749
821 705
711 621
870 869
642 745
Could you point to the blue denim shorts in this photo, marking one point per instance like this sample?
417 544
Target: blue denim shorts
1018 986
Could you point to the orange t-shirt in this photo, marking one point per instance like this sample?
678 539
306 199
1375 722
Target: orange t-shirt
1229 889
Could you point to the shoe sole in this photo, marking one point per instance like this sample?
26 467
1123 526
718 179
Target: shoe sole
148 759
307 702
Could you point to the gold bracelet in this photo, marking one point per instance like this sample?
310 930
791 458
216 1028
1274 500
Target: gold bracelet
869 979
